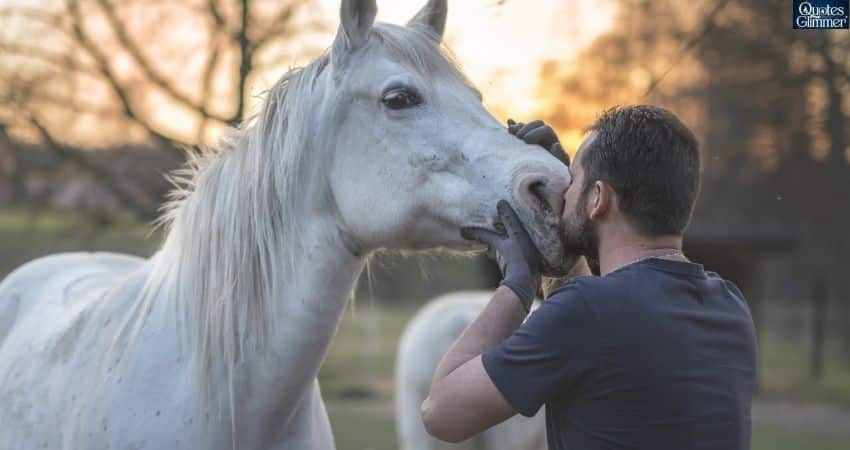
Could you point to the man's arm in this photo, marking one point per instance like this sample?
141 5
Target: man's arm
463 400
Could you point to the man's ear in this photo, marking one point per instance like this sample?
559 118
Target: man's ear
601 200
432 17
356 20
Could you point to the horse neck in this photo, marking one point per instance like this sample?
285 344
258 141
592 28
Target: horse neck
272 384
263 281
310 312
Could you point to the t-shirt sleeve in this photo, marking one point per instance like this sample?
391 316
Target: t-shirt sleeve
547 355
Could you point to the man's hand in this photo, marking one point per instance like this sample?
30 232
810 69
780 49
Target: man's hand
538 133
515 253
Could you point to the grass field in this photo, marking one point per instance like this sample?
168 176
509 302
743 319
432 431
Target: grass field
775 437
784 371
357 378
370 427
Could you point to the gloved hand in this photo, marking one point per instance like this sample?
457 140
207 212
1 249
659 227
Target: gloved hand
515 253
538 133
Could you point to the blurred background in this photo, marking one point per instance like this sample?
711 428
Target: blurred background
100 98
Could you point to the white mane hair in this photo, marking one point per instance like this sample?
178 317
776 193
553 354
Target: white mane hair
232 221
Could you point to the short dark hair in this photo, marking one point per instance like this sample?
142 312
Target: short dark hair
651 159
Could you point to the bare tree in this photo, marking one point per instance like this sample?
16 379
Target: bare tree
167 72
142 66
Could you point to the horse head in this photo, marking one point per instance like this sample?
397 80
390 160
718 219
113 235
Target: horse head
416 156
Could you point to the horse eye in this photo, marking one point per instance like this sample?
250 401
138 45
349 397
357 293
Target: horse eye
401 99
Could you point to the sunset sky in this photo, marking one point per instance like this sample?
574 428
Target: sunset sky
501 44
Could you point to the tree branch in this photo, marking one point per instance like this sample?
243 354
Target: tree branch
276 27
49 57
206 84
148 71
215 13
77 107
103 176
708 25
48 18
104 68
246 62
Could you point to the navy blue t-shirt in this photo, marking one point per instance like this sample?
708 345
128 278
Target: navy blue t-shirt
657 355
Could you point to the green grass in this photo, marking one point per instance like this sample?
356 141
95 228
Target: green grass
362 425
773 437
357 377
358 428
784 372
361 361
59 221
25 235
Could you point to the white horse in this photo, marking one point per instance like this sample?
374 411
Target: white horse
425 340
215 342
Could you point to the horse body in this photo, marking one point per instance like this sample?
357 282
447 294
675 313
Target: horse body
426 338
147 397
216 341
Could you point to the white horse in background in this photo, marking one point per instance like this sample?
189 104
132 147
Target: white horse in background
216 341
427 337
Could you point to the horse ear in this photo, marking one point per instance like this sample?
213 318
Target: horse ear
432 16
356 19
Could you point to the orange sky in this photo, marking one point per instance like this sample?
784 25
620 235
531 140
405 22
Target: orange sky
501 44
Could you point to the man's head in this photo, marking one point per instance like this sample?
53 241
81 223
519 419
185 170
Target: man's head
638 167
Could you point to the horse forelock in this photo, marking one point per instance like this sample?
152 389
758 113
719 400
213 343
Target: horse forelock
420 49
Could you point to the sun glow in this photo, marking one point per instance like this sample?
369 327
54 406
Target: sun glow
503 44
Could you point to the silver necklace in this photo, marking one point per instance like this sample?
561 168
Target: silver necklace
666 255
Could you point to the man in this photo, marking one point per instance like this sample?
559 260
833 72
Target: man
655 353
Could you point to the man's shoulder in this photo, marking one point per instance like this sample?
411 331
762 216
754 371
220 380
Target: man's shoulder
731 286
589 285
573 288
573 297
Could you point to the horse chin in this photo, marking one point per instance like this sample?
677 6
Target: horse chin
545 235
560 268
554 261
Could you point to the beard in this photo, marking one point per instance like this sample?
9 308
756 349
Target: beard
579 236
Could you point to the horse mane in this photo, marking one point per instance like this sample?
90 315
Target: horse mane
232 219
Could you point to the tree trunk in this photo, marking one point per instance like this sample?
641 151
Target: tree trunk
246 63
819 294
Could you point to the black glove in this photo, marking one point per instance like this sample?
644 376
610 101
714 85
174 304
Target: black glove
515 253
538 133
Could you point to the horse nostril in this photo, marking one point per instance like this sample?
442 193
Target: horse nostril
541 193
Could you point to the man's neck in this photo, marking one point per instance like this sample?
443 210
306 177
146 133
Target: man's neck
621 248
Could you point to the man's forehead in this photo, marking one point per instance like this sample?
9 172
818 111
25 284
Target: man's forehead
585 144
